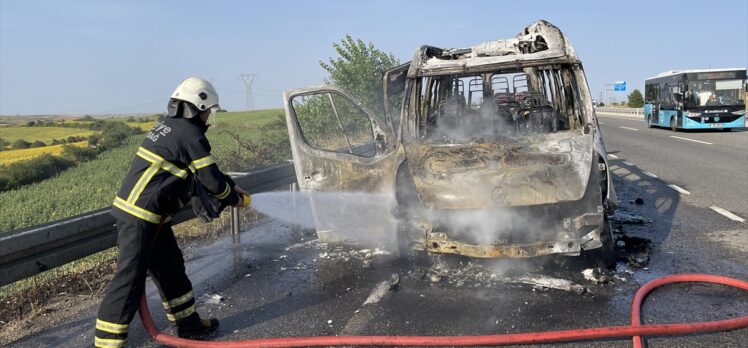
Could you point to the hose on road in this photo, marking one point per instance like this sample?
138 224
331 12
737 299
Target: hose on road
635 330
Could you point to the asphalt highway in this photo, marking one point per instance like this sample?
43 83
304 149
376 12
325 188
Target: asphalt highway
280 281
712 166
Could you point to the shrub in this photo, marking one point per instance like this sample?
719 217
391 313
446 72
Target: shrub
20 144
26 172
78 154
97 125
113 134
38 144
94 140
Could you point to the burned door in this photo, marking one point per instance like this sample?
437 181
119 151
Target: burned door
393 85
345 161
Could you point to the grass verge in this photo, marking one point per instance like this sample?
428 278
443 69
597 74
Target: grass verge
240 141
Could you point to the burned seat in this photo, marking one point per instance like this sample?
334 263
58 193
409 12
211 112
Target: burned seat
536 115
451 112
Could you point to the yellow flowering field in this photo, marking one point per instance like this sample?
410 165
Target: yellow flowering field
43 134
146 126
10 156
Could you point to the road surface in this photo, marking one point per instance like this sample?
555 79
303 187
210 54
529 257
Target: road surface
280 281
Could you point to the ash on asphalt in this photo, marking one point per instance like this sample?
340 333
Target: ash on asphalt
462 272
279 281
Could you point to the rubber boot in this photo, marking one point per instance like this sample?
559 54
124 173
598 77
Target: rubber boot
194 327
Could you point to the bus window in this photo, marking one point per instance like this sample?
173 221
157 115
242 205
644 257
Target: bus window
714 92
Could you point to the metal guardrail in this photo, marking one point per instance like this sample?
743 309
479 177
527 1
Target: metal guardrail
628 112
33 250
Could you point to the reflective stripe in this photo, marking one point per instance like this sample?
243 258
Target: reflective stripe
142 183
111 327
201 163
178 301
165 165
225 192
136 211
111 342
181 314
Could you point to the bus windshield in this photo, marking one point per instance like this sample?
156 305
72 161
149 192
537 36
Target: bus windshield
714 93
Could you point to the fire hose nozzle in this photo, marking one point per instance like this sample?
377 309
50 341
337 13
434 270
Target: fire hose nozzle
246 200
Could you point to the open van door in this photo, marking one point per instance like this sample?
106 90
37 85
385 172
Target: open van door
341 149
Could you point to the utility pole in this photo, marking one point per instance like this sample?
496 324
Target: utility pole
608 87
248 79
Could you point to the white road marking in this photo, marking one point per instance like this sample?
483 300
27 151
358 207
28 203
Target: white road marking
627 163
694 140
613 156
727 214
649 174
629 128
600 122
679 189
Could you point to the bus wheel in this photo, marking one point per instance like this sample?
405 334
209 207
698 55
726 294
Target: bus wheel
672 125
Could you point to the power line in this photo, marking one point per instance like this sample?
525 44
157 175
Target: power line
248 79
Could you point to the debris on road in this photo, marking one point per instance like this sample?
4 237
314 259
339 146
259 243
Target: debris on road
300 266
551 283
634 250
596 276
214 299
344 254
302 244
379 291
631 219
394 281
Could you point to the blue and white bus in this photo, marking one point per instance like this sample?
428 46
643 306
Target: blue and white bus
696 99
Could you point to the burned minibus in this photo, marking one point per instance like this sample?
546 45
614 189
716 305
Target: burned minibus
489 151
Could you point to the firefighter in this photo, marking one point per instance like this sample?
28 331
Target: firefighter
174 156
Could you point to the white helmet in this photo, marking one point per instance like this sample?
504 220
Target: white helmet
198 92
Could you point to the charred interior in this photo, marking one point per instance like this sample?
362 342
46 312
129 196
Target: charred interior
491 106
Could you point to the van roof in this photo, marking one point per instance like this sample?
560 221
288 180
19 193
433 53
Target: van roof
539 41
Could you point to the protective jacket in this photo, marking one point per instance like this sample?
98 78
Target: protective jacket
158 183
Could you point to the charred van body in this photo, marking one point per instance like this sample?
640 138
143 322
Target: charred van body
488 151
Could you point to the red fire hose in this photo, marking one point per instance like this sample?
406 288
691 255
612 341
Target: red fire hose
635 330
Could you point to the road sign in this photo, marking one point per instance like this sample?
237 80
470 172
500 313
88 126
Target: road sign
619 86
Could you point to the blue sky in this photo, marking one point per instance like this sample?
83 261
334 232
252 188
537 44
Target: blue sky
103 57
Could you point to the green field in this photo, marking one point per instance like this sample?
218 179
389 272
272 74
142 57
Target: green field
43 134
92 185
246 122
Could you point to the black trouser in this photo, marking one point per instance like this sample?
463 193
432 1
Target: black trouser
143 248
